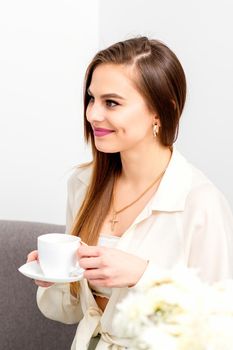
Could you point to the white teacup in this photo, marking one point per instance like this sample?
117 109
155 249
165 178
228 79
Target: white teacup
57 254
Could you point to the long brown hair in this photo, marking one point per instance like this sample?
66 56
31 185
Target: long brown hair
160 79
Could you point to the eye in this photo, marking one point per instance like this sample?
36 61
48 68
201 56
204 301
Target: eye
90 98
111 103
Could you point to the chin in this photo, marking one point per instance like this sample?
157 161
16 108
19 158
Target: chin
109 149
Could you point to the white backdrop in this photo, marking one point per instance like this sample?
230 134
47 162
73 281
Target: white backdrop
45 48
200 33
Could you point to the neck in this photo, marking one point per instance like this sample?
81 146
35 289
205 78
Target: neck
140 167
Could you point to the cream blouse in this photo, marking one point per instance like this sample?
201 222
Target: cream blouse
188 221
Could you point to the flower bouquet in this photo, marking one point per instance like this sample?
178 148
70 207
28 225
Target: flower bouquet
175 310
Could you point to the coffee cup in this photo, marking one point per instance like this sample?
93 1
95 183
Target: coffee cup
57 254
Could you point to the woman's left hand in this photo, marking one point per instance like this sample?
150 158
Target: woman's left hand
110 267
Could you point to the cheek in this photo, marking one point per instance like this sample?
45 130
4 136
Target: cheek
126 121
137 126
87 114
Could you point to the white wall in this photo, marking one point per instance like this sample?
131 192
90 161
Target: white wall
200 33
45 47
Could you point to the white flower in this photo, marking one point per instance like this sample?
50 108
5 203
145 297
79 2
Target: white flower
133 312
174 310
163 341
221 328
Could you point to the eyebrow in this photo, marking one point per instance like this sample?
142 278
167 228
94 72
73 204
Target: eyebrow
110 95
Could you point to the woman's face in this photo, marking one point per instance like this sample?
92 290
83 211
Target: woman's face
118 114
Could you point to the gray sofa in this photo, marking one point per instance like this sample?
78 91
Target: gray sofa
22 326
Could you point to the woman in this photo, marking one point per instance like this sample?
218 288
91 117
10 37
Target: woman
139 205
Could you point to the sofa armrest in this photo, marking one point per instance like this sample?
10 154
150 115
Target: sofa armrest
22 324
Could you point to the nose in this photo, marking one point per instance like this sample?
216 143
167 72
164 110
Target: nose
94 113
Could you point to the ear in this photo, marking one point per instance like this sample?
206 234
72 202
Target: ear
174 104
156 120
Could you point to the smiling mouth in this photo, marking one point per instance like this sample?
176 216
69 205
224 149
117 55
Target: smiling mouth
102 132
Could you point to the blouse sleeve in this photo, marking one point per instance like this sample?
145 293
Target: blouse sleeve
207 231
209 225
56 302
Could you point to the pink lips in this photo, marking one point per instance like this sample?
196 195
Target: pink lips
102 132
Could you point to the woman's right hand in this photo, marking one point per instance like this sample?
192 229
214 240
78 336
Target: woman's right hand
32 257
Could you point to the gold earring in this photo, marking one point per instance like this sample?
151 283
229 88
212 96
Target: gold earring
155 130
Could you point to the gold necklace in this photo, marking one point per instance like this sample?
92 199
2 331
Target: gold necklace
114 220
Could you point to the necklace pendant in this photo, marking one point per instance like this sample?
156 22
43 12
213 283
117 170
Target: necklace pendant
113 221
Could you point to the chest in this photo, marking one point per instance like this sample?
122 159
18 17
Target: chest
159 237
118 221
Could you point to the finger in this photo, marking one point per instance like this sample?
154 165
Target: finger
94 274
43 284
32 256
89 251
98 283
90 263
101 282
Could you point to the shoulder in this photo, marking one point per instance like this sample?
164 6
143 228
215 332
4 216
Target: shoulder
77 186
80 177
196 190
204 195
206 208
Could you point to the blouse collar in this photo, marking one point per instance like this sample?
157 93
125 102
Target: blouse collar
174 186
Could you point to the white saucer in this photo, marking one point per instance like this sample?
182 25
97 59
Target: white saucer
33 270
